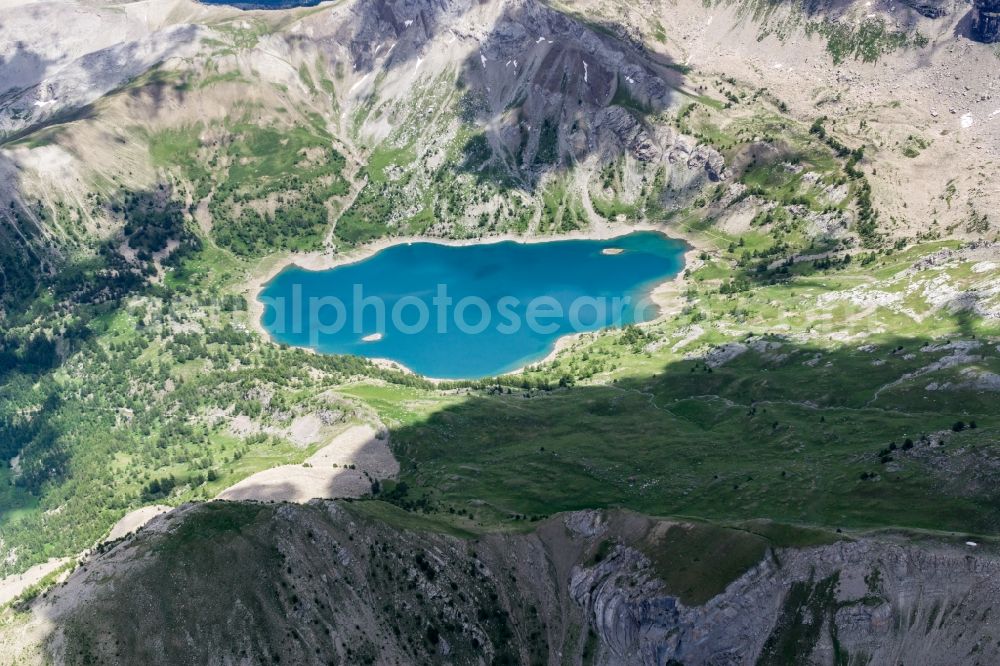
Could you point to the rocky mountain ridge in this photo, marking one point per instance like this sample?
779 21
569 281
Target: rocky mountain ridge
477 110
330 583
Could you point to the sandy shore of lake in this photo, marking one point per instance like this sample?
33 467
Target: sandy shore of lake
665 296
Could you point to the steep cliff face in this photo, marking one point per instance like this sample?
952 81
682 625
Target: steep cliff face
544 88
865 600
332 583
929 8
986 21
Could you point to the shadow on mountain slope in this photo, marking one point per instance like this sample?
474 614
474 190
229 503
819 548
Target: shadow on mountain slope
55 312
357 603
22 67
397 30
766 428
67 93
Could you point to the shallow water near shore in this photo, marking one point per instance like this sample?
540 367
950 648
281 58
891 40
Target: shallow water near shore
460 312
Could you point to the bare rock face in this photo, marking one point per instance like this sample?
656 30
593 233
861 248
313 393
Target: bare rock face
547 88
707 159
574 92
929 8
986 21
634 619
624 129
895 603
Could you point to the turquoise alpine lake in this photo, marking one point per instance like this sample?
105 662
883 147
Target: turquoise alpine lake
470 311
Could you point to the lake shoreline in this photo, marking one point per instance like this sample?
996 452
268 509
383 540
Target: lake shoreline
263 5
663 295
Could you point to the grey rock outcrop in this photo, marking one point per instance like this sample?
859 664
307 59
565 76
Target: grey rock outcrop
895 603
929 8
986 21
627 131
